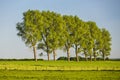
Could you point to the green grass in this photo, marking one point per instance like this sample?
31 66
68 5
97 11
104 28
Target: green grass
59 70
59 65
59 75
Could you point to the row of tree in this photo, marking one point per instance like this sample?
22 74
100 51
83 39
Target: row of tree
50 31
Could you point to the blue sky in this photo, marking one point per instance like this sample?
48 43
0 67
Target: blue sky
106 13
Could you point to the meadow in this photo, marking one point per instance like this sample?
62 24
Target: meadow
59 65
59 70
59 75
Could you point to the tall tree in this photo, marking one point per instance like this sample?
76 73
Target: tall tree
45 45
56 38
94 34
28 29
105 43
70 24
86 42
54 31
78 31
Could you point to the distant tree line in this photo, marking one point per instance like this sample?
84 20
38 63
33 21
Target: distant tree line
50 31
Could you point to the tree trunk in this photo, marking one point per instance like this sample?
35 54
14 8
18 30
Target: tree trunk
68 54
94 55
103 56
48 55
90 57
54 55
85 56
34 51
77 59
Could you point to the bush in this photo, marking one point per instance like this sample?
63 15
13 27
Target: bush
71 58
20 59
83 59
62 58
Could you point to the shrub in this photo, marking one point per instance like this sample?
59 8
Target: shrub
20 59
62 58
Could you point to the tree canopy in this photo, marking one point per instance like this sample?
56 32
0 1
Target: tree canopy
50 31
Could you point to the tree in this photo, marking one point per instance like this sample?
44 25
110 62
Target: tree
52 33
78 31
105 42
49 31
70 23
94 35
86 42
56 37
29 29
44 45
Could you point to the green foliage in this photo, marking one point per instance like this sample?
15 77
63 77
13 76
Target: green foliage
32 21
79 31
105 43
50 31
69 25
53 34
30 29
56 36
94 34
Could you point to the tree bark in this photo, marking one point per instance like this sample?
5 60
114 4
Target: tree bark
54 55
85 56
68 54
90 57
34 51
77 59
103 56
48 55
94 55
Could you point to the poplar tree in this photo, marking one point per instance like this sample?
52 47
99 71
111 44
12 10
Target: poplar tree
86 42
45 45
50 31
70 24
105 42
78 31
28 29
94 35
56 38
53 35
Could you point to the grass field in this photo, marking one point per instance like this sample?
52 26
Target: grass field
59 75
59 70
59 65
